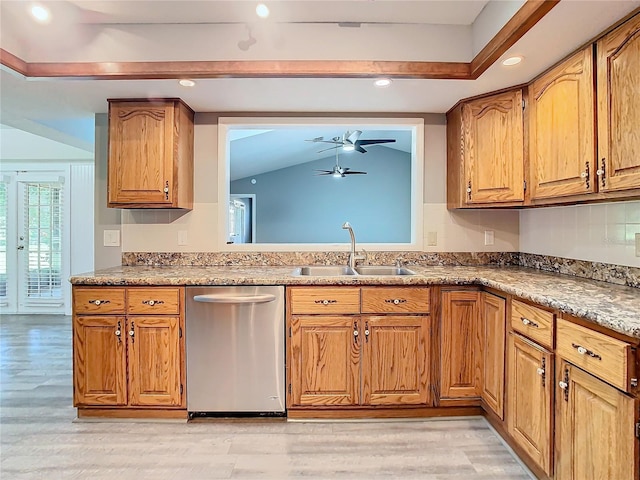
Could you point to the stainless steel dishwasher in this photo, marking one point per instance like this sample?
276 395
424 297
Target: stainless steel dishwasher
235 350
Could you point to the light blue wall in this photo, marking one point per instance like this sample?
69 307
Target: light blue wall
294 206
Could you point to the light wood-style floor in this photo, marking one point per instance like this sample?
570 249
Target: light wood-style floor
40 440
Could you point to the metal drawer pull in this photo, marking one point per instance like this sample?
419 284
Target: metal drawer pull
529 323
395 301
326 302
98 302
585 351
151 303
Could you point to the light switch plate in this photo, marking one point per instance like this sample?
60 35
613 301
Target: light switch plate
489 237
637 244
183 238
111 238
432 239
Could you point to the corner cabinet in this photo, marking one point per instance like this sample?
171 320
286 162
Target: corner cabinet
493 311
150 154
562 143
358 347
485 155
128 350
618 56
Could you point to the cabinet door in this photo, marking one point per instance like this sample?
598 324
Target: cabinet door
325 360
395 360
141 149
493 314
154 361
529 399
595 429
562 129
619 107
494 148
460 365
99 363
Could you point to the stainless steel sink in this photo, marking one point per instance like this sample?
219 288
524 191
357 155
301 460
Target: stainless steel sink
324 271
383 270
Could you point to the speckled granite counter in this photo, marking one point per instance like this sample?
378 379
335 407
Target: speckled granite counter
612 306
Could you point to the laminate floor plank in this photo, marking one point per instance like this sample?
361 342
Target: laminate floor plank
40 437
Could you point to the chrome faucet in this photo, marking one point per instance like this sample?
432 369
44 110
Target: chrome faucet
353 255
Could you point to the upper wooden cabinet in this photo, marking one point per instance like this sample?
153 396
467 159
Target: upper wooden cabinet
150 154
485 151
618 56
562 129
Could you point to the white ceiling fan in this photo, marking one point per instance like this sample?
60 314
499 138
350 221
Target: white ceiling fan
350 141
337 171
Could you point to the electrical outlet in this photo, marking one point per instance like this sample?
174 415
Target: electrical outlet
432 239
183 238
637 244
489 237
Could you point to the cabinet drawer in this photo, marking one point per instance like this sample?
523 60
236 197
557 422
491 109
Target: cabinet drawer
395 300
532 322
98 300
153 300
325 300
603 356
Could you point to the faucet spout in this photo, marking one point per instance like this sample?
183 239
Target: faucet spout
352 253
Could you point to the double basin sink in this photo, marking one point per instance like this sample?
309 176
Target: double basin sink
338 270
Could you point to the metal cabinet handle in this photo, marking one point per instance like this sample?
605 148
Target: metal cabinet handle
151 303
132 332
118 332
540 371
529 323
564 384
325 302
395 301
98 302
355 331
602 172
366 331
585 351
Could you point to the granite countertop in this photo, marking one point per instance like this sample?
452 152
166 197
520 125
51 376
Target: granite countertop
613 306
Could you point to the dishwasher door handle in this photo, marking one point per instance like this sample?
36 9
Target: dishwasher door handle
231 298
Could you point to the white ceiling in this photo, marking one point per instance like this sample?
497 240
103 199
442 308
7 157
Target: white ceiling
122 30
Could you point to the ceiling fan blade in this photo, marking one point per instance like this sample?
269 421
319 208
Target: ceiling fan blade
352 137
330 148
358 148
325 172
374 141
355 173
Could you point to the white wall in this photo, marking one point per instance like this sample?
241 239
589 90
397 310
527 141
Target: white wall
603 232
157 230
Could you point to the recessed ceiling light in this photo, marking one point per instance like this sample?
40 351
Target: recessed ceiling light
262 10
511 61
382 82
187 83
40 13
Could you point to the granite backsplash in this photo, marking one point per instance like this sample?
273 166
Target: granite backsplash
618 274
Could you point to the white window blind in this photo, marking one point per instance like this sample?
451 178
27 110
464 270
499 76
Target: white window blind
43 204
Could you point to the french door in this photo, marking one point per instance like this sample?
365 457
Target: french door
33 242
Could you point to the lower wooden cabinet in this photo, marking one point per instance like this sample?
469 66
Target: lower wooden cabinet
353 360
493 316
595 428
460 373
530 399
358 359
127 360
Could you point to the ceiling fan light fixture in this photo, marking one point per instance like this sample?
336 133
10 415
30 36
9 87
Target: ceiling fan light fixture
516 59
348 148
382 82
